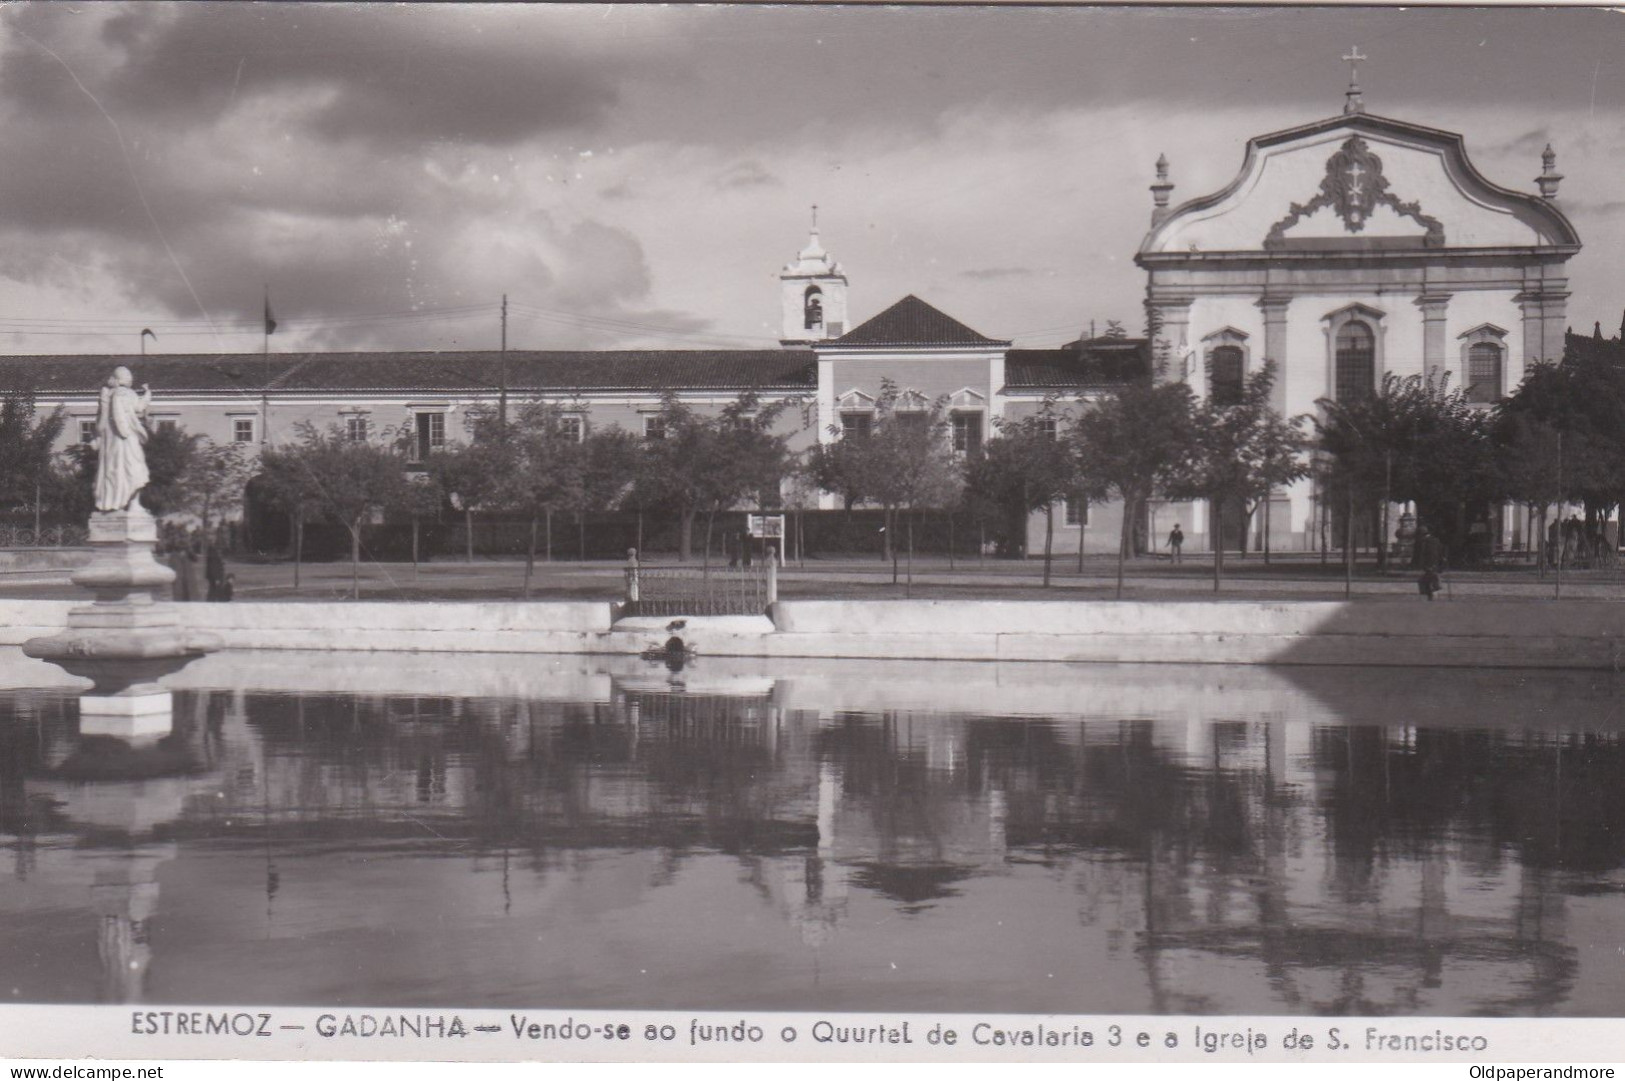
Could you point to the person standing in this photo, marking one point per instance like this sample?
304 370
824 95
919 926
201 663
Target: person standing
184 564
214 570
1176 544
1430 554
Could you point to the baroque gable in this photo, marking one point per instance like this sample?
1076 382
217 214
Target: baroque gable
1359 183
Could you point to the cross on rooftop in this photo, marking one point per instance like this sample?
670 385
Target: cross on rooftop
1351 100
1354 57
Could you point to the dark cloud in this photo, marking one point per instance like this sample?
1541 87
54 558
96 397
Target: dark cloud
747 174
394 76
1530 142
359 158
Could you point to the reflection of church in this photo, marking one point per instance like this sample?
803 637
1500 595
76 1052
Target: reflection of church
1344 250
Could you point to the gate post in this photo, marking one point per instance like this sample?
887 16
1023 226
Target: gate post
631 576
772 574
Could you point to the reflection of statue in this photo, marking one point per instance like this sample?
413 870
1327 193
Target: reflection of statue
121 429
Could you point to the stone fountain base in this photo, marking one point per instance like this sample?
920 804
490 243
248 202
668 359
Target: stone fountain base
125 641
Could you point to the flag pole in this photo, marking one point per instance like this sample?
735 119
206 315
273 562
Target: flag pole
265 369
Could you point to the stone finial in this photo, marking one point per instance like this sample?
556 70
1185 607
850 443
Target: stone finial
1160 192
1549 177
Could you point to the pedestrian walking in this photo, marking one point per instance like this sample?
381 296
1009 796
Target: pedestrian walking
1430 555
1176 544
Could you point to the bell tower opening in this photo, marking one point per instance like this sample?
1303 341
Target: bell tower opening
813 309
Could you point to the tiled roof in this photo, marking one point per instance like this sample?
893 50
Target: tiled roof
1098 362
587 370
911 321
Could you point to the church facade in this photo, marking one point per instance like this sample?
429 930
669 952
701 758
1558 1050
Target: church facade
1344 251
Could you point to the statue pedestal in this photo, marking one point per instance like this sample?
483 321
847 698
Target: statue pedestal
125 641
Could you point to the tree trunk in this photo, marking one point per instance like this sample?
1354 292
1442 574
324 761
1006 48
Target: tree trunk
468 533
581 535
1218 547
710 521
1083 509
1049 538
891 526
414 545
1123 541
1268 501
1348 546
1325 515
640 532
298 544
685 535
908 590
530 555
951 541
355 560
548 537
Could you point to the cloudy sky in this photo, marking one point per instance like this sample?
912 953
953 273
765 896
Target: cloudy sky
635 176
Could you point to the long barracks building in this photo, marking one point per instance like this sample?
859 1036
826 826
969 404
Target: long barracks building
1344 250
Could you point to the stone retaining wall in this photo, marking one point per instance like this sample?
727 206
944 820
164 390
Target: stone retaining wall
1480 633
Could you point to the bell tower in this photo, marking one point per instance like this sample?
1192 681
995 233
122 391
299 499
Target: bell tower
812 292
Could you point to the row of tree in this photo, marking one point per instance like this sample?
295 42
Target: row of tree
1554 442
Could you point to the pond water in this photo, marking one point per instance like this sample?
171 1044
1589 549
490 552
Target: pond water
571 832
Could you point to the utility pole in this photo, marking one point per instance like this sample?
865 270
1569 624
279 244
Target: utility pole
502 371
266 326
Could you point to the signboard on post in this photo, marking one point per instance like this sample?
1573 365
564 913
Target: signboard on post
767 527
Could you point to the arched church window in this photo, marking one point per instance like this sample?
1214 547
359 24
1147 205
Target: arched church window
1356 362
813 308
1483 372
1227 373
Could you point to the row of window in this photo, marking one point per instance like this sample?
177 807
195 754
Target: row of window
1355 367
966 427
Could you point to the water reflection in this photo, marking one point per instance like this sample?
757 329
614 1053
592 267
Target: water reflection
719 837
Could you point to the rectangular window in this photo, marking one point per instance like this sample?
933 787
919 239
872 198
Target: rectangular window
968 433
912 421
1046 427
242 430
87 431
572 428
430 435
857 425
168 424
355 428
1483 372
1077 511
654 427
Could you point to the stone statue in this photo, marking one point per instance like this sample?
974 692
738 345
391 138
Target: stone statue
121 430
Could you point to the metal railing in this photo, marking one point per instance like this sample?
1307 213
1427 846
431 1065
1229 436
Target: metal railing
51 536
701 591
